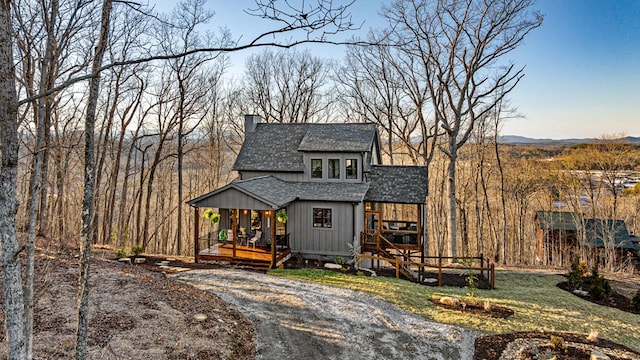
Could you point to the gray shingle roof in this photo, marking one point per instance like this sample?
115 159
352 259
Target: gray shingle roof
280 147
272 147
398 184
356 137
278 193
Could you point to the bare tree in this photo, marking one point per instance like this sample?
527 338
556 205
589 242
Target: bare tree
286 86
308 22
372 88
458 45
11 277
89 177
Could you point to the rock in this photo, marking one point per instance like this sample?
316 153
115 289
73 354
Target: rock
170 259
429 280
125 260
580 292
597 355
164 262
332 266
371 272
140 260
448 300
200 317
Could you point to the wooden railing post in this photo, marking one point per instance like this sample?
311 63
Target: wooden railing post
493 275
440 271
397 269
196 235
482 265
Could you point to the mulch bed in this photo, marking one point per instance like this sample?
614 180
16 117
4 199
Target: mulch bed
476 308
615 300
493 346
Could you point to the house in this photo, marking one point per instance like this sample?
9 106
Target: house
559 235
329 181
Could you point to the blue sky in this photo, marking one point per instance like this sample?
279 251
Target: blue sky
582 66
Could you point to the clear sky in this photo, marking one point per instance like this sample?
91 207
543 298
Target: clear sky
582 66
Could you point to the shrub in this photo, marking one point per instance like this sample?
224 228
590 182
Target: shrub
574 278
120 253
339 260
557 343
472 278
599 288
137 250
635 302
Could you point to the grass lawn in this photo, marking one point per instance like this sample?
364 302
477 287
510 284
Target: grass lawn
537 302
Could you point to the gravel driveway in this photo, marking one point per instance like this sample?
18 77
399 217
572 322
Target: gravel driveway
300 320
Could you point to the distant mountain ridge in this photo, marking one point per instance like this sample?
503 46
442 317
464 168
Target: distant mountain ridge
515 139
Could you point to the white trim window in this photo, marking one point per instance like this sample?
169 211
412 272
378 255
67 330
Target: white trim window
322 218
316 169
351 168
334 168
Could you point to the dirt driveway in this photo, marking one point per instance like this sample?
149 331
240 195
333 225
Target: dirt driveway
300 320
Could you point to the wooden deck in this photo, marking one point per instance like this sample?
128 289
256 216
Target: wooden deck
246 255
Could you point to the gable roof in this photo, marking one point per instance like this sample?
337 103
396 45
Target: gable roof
612 230
278 193
558 220
272 147
354 137
596 230
398 184
279 147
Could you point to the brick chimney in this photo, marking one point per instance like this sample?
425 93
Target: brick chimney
250 123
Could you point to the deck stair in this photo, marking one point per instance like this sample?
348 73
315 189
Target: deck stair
404 269
250 264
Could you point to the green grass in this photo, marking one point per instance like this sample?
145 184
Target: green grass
537 302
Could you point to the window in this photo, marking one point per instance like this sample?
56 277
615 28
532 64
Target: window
352 168
316 168
321 218
334 168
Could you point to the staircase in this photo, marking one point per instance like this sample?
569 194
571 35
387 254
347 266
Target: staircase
250 264
403 268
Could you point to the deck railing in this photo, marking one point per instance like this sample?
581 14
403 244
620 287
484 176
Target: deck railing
398 262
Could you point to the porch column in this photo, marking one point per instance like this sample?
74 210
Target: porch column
196 234
234 224
272 216
420 240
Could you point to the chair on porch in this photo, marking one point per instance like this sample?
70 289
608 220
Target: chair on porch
255 239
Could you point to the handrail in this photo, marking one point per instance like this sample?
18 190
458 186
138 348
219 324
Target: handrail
397 262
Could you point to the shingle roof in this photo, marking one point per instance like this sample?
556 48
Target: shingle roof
398 184
596 229
278 193
557 220
272 147
283 192
355 137
615 230
280 147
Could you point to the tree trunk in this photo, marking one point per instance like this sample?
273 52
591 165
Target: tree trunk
451 179
13 299
88 196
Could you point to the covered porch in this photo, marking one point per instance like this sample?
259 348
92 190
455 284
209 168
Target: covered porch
250 230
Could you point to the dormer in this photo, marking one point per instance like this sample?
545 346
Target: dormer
308 152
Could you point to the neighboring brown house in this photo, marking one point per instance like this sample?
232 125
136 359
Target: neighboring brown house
559 235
